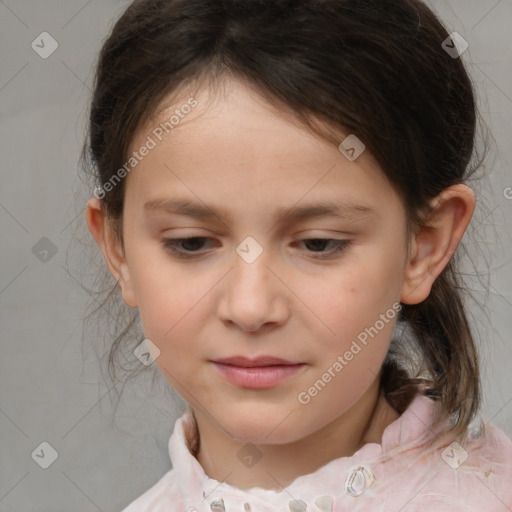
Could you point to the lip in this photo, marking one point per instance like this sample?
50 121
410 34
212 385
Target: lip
246 362
259 373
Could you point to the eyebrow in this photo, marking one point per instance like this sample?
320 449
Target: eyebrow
339 209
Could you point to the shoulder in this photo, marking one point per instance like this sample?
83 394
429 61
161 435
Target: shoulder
170 492
428 468
489 460
471 474
161 497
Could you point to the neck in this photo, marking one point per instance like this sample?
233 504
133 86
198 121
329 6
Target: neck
281 464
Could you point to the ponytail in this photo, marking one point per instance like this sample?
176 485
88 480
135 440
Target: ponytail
447 349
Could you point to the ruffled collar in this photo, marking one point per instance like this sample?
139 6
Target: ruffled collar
338 477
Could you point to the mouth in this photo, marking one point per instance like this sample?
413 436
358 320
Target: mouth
262 361
263 372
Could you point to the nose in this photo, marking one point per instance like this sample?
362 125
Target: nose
254 297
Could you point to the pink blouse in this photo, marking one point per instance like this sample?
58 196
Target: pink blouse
402 474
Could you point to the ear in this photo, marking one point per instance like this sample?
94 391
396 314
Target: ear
433 246
112 249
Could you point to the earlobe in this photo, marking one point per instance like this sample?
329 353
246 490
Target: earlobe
436 241
111 248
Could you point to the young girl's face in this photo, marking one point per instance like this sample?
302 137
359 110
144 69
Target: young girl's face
255 281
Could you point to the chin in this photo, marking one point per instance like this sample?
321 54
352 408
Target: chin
261 428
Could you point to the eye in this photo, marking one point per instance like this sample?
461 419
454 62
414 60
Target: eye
318 243
171 244
189 247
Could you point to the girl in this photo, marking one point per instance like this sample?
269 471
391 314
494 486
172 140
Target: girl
280 194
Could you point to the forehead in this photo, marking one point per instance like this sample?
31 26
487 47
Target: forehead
234 142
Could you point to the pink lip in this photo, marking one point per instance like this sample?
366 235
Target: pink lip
262 372
258 361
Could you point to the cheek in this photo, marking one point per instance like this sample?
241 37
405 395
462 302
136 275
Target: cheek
353 298
169 299
172 321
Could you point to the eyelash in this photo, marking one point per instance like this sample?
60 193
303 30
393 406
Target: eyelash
170 244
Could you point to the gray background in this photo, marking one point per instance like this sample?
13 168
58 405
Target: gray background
50 386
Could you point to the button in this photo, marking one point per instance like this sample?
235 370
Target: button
475 428
217 505
324 503
358 480
297 506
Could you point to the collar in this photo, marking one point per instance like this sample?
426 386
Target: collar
346 475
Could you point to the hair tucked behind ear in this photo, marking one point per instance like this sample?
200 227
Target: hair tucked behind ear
373 68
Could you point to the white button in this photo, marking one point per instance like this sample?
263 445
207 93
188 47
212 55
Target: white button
297 506
217 505
476 428
358 480
324 503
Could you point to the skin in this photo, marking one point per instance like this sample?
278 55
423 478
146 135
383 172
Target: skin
236 152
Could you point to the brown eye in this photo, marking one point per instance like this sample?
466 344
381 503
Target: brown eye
183 246
318 243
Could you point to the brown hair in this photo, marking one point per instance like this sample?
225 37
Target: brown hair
374 68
